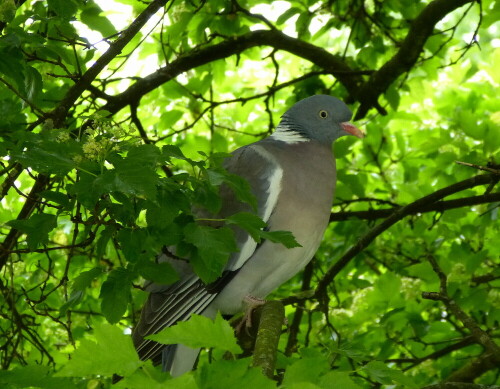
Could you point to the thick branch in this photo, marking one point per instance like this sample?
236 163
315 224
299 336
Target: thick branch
268 335
399 214
481 337
460 385
59 114
115 49
233 46
406 57
440 206
474 369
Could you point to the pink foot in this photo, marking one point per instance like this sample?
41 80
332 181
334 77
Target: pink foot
251 303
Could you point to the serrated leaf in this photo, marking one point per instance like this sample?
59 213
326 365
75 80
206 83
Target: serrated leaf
287 15
49 156
111 353
380 372
172 151
242 190
56 197
33 84
337 379
254 225
115 294
151 378
37 228
33 376
92 18
286 238
131 176
200 331
307 369
161 273
103 240
239 374
80 283
169 118
213 249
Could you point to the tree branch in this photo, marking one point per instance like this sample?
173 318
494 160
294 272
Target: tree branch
233 46
396 216
59 113
406 57
439 206
268 335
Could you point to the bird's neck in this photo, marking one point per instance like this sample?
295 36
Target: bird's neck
288 133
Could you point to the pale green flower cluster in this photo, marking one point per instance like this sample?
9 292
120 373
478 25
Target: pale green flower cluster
410 287
458 273
104 139
494 297
359 301
62 137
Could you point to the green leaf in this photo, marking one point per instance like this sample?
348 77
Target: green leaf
112 352
241 189
7 11
80 283
288 14
12 64
33 84
385 375
64 8
56 197
152 378
161 273
35 376
200 331
134 244
213 249
337 379
307 369
48 155
115 294
286 238
92 18
37 228
169 118
135 174
255 227
224 374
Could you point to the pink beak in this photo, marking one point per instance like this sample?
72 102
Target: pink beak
352 129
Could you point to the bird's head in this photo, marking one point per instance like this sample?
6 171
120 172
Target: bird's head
320 117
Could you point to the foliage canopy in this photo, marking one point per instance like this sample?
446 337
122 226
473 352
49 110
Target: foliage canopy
115 117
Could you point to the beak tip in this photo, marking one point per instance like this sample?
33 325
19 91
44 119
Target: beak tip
353 130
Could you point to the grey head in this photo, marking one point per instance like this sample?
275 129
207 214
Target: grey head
321 117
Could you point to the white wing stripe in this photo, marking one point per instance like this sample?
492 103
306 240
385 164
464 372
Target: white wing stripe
274 182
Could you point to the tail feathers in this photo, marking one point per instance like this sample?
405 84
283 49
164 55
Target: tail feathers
179 359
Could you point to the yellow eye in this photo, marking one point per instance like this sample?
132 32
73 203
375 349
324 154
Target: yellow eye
323 114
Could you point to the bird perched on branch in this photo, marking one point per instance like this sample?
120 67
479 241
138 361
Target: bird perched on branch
292 175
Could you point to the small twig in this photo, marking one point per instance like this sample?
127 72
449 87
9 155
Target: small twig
484 168
481 337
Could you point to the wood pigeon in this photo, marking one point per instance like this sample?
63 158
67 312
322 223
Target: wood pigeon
292 175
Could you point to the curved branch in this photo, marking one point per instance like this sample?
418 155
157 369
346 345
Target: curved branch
439 206
115 49
396 216
268 335
406 57
233 46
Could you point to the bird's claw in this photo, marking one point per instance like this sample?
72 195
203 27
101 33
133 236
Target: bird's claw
251 303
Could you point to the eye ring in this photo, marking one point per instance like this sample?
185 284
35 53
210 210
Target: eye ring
323 114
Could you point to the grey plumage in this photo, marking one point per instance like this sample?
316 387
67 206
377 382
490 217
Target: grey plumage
292 174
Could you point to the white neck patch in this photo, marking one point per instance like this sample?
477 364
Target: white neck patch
286 135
